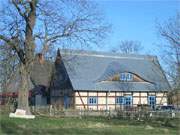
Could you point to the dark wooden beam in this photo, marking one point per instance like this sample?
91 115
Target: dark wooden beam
97 100
87 100
115 99
81 100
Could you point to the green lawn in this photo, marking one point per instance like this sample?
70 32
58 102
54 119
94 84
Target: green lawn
89 126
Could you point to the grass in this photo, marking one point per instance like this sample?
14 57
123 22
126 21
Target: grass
87 126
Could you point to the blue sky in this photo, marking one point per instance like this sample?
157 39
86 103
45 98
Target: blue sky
136 20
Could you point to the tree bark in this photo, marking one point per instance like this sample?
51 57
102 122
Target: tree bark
23 94
28 57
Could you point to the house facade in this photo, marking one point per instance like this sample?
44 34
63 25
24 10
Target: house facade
97 81
107 81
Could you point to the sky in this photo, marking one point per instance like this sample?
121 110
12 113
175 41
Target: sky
136 20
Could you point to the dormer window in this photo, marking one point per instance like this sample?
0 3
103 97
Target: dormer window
123 76
129 77
126 77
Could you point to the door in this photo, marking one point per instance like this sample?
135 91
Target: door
152 101
66 102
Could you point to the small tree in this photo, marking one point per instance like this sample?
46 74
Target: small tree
128 47
28 26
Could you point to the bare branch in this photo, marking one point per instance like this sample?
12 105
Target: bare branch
19 10
128 47
170 32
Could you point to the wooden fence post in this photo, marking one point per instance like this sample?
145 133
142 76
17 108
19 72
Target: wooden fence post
50 110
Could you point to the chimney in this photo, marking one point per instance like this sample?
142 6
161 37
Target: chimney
58 57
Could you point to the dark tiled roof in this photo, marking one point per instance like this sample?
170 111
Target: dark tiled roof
41 75
89 70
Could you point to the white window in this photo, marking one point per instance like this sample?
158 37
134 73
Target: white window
126 77
123 76
129 77
92 100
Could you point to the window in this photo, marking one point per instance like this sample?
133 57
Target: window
152 101
92 100
126 77
120 100
129 77
128 100
123 76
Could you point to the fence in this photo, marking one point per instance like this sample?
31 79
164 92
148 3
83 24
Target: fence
52 111
130 114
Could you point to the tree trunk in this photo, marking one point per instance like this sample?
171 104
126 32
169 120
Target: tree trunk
23 93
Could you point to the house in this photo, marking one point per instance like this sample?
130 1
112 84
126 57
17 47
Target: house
98 81
101 81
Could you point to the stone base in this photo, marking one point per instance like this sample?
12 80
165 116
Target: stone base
21 114
13 115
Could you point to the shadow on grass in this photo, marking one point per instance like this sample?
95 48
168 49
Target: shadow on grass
9 127
76 131
86 125
156 122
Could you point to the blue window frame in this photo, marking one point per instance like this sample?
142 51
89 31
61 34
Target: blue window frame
92 100
129 77
123 76
128 100
120 100
152 101
126 77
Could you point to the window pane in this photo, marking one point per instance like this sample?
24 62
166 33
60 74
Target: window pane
122 76
152 101
128 100
92 100
129 77
120 100
126 77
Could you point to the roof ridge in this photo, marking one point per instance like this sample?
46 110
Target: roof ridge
107 54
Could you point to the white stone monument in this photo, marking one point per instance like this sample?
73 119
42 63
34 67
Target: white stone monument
20 113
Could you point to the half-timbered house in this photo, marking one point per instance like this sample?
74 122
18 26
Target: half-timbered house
97 81
101 81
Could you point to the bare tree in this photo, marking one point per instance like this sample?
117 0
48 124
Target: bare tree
8 66
128 47
170 32
28 26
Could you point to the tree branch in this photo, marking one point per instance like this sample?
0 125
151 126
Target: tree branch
19 10
170 37
13 45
